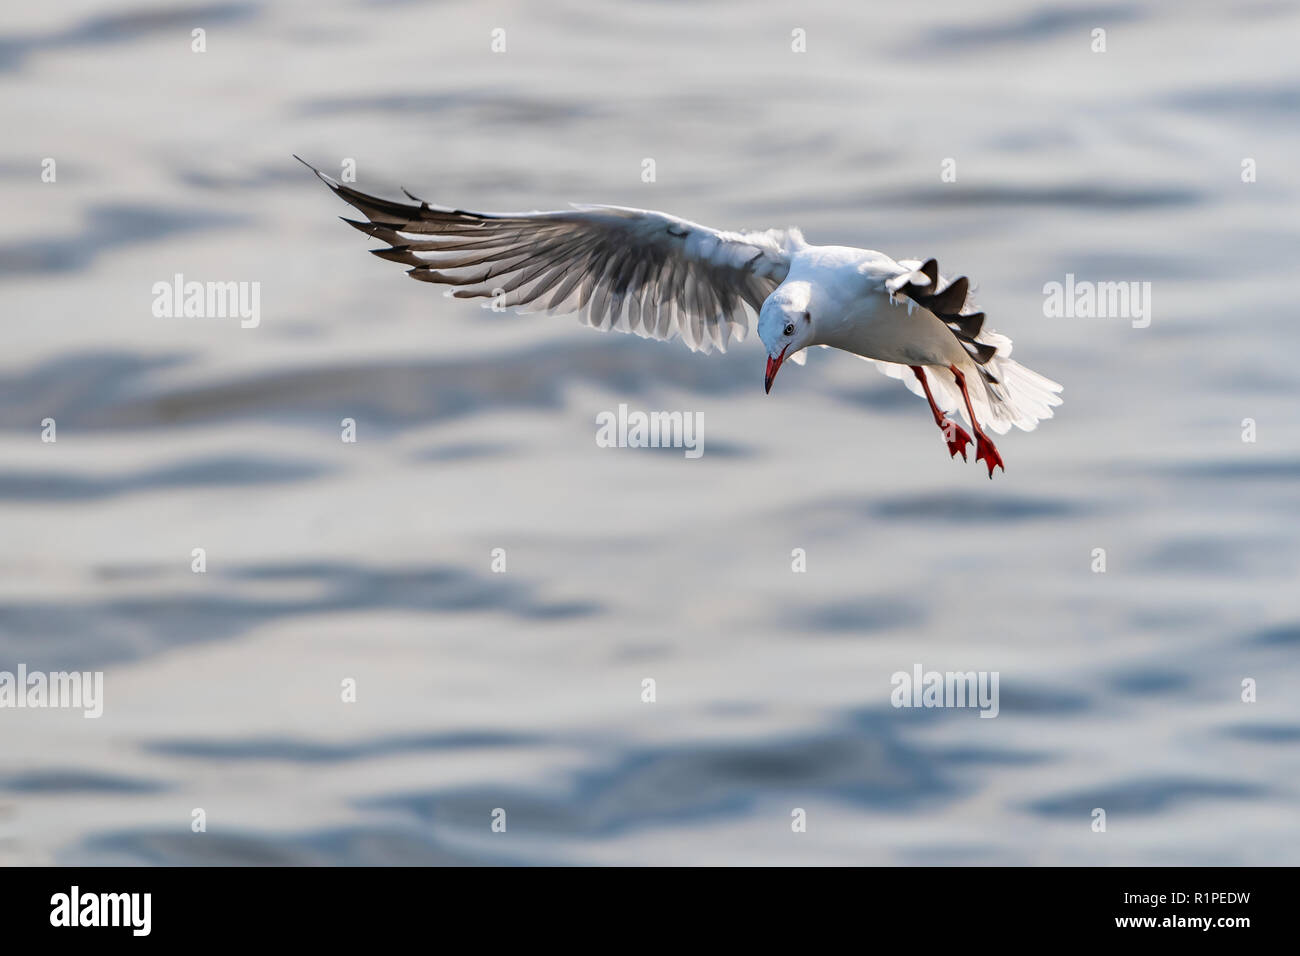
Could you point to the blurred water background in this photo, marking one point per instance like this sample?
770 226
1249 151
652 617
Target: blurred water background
329 561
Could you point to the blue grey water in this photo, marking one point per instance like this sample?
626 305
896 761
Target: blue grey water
1167 158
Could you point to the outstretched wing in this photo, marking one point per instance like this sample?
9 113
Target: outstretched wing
631 270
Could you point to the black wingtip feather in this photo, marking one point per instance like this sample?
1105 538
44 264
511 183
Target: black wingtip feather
367 227
397 254
966 326
951 299
423 273
931 269
327 180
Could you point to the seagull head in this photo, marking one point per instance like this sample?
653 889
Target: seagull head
785 324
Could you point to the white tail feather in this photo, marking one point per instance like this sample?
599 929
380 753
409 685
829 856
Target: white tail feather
1022 398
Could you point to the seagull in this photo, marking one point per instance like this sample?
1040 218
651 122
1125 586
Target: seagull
661 277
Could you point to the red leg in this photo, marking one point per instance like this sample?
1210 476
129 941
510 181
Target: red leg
953 433
985 450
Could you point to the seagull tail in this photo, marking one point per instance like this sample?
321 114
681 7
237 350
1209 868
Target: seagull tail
1019 396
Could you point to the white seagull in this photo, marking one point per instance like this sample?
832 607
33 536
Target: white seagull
635 270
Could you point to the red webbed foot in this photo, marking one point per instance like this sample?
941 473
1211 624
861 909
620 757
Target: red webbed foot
956 437
987 452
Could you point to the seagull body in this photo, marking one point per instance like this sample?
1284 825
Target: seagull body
658 276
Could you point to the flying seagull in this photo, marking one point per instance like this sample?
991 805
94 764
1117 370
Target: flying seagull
652 274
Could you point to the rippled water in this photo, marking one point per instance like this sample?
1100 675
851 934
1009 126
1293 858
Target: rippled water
522 691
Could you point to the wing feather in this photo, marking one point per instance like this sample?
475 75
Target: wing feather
632 270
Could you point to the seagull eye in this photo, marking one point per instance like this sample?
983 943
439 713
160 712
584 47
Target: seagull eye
789 329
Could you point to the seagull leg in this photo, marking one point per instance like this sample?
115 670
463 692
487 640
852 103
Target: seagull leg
985 450
953 433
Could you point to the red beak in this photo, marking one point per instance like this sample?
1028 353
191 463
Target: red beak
772 365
